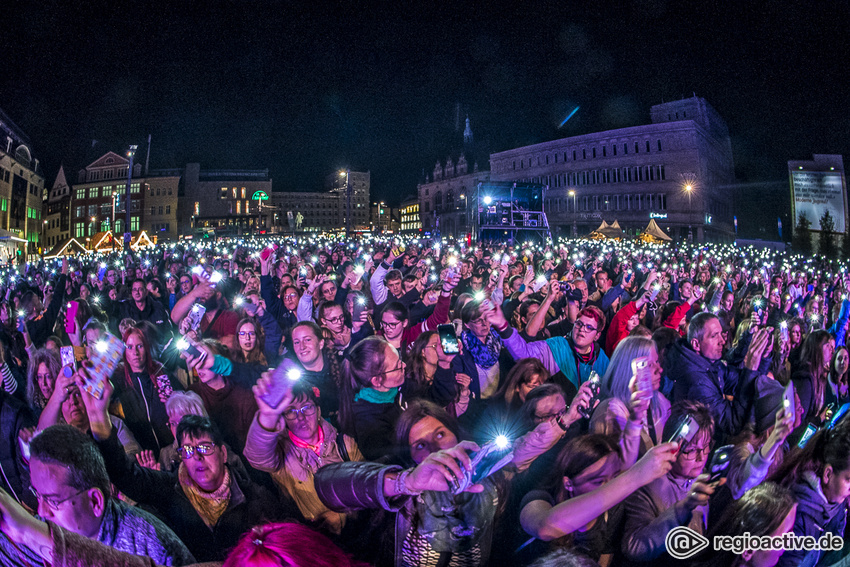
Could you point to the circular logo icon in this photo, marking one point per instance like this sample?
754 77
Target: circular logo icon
683 542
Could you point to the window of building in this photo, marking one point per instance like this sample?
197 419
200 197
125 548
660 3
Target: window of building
160 210
234 192
153 211
134 223
574 155
659 145
238 207
594 152
197 208
556 157
167 209
661 174
243 192
134 188
584 153
604 151
637 148
169 190
647 145
514 165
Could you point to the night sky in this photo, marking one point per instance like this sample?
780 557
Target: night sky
304 90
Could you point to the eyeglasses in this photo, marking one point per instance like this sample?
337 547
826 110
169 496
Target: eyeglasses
51 503
694 452
400 366
390 325
479 321
336 320
290 296
549 416
247 334
579 325
186 451
306 409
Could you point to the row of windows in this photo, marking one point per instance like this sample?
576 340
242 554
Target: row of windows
161 191
107 173
82 229
593 153
155 209
33 213
104 209
54 240
161 227
105 191
635 202
599 176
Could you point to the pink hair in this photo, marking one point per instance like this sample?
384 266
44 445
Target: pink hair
287 544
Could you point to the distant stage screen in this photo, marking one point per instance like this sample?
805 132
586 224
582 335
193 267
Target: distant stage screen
815 193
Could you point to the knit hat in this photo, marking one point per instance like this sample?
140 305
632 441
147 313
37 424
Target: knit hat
769 396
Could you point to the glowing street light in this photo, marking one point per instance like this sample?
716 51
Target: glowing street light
488 200
572 194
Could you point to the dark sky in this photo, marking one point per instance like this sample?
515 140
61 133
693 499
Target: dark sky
304 90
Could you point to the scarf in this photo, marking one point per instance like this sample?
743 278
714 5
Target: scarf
484 354
298 442
375 397
209 505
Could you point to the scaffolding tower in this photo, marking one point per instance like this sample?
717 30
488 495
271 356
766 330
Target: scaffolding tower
508 212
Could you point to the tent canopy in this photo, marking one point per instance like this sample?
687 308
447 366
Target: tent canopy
66 247
655 231
606 230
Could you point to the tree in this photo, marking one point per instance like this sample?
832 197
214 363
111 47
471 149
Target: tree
803 236
826 245
845 246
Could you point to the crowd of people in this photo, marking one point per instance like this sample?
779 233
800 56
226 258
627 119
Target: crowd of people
408 402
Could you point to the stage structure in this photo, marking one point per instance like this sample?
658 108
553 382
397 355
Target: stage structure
508 211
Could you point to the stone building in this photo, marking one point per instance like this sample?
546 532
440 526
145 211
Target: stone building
678 170
21 191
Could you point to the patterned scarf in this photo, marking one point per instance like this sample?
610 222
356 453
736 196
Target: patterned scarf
209 505
484 354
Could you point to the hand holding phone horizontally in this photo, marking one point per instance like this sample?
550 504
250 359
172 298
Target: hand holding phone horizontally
686 431
719 466
283 378
489 460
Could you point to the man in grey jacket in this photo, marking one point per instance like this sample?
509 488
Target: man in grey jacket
72 487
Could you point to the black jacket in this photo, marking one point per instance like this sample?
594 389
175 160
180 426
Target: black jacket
153 312
42 327
14 416
142 409
700 380
162 490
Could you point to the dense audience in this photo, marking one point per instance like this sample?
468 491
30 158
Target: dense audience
422 403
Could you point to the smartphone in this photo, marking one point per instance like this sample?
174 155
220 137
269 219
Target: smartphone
66 355
283 378
643 373
107 354
833 421
71 317
21 322
654 292
686 431
489 460
783 331
718 468
810 431
264 255
196 314
190 349
358 309
448 339
250 308
506 259
596 390
788 398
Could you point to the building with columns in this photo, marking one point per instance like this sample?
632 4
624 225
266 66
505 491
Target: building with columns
677 170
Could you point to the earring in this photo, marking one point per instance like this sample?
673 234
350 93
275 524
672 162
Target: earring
568 485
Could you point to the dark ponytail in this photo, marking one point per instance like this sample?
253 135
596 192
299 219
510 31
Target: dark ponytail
364 361
826 447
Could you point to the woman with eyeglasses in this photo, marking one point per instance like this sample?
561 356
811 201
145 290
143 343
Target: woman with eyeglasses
343 333
251 343
395 324
371 395
208 504
291 442
679 498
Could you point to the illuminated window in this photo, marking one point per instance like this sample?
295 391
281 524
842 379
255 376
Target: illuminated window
243 192
238 207
234 192
197 208
134 223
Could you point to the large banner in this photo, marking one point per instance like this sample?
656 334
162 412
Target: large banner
815 193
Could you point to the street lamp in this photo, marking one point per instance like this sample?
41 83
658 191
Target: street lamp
114 197
572 194
346 174
689 189
380 212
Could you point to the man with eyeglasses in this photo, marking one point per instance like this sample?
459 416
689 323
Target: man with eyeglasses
208 504
679 498
574 357
291 442
72 488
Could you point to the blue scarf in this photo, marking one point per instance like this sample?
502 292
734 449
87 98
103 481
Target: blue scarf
375 397
484 354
